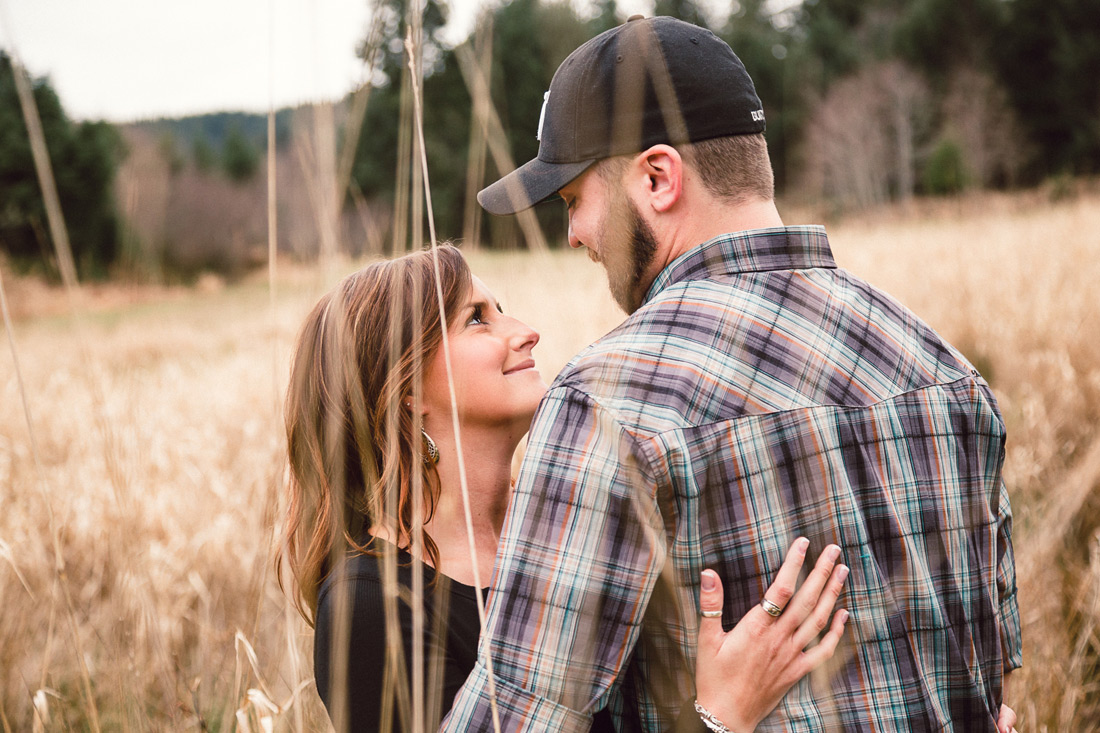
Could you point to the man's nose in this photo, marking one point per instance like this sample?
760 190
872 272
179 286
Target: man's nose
574 242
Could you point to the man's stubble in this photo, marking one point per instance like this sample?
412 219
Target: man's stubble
628 250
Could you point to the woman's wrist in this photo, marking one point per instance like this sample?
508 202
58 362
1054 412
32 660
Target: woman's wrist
714 723
710 721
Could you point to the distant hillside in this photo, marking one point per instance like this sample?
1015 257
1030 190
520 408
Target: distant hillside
213 129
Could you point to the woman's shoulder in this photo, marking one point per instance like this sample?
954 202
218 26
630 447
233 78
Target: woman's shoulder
363 572
363 578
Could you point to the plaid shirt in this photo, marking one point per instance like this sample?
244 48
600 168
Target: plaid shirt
758 395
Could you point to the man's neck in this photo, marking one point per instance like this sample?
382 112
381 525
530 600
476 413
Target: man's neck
707 220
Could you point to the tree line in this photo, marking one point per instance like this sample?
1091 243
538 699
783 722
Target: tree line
867 101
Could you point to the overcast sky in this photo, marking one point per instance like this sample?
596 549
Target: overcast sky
126 59
133 59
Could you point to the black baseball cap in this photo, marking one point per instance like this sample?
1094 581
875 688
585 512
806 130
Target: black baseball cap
647 81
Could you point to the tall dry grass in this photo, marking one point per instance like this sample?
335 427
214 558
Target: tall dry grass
161 459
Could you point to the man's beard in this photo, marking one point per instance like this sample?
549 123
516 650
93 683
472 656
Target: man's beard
629 259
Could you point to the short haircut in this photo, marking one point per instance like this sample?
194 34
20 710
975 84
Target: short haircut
734 168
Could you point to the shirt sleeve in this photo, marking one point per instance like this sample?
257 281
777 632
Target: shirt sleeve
581 549
1011 636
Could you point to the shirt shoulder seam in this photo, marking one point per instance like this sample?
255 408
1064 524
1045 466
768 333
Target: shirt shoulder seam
971 375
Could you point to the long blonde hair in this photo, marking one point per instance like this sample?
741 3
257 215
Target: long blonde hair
351 439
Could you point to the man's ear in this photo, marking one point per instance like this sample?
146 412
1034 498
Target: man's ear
663 172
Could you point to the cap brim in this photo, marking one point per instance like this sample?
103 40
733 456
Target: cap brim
531 183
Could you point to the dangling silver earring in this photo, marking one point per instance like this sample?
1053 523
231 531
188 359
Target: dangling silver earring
432 456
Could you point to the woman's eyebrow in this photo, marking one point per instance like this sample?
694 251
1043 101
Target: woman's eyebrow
477 305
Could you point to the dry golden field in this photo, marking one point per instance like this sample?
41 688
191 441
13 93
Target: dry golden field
140 488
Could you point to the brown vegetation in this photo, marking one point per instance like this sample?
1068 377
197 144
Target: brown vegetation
183 220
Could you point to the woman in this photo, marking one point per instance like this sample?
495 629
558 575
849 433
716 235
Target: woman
376 503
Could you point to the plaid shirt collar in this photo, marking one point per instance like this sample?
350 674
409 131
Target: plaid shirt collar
756 250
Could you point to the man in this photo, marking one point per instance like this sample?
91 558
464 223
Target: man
755 393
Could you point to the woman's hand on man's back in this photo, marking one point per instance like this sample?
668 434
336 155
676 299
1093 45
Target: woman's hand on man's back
742 674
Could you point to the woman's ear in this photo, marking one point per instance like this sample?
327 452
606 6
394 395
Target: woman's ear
407 404
663 171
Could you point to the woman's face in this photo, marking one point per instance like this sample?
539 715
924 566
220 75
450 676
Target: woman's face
496 382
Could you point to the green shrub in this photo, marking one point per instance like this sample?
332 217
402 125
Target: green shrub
945 172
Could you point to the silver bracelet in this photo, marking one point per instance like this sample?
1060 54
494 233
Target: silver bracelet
710 721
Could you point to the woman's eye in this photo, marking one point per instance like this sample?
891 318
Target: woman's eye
476 317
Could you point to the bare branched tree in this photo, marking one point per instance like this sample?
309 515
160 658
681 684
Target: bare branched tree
863 137
907 99
977 115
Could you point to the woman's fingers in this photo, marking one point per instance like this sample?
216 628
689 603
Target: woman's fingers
740 676
805 614
824 650
818 618
1006 721
782 588
806 600
710 605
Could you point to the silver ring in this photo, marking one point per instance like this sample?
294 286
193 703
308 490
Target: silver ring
711 614
770 608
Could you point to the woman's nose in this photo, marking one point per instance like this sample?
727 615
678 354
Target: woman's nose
524 337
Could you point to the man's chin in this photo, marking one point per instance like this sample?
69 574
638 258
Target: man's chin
628 299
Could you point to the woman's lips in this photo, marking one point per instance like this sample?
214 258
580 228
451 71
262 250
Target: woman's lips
525 364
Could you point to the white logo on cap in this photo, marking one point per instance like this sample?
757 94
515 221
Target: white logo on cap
758 115
542 115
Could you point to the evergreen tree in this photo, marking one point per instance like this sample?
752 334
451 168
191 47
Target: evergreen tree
203 155
606 17
685 10
939 37
84 158
169 152
1048 54
833 48
240 158
446 117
